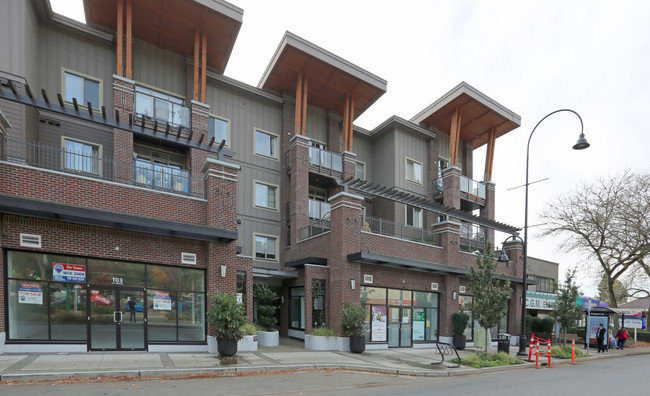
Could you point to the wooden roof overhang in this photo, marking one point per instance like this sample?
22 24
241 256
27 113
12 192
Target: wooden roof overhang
171 24
479 114
330 77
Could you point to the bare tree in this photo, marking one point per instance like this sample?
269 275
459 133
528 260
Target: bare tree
607 221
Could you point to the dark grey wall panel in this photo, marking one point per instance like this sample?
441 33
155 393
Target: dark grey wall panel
412 146
159 68
383 156
363 149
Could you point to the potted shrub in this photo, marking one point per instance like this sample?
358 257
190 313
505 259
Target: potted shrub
265 298
249 338
227 317
459 322
353 323
321 339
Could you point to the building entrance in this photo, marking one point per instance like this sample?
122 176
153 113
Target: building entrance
400 327
117 319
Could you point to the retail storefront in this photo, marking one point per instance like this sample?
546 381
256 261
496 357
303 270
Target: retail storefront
466 303
102 304
400 318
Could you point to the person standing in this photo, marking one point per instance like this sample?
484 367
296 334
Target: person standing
621 337
600 337
131 305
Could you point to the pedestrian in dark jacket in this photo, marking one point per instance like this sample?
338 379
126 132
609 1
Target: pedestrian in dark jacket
600 337
621 337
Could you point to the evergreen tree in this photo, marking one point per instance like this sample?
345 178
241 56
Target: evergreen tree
565 311
490 294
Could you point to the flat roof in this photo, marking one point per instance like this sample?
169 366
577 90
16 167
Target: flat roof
330 77
171 24
479 114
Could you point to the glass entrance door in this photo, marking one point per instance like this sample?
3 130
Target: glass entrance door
117 319
400 327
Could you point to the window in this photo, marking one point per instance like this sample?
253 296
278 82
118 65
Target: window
318 303
161 170
152 104
219 128
544 285
413 216
297 308
81 156
266 196
442 164
319 208
83 88
266 144
413 171
241 288
360 170
265 247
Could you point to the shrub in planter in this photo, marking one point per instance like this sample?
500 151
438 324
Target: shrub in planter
459 322
353 323
321 339
249 341
266 320
227 317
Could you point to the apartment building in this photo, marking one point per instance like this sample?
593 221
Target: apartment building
135 173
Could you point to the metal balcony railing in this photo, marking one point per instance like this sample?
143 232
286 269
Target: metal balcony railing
472 238
319 210
87 162
380 226
315 227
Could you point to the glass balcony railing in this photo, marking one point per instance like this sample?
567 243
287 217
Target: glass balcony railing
161 107
472 238
325 159
319 210
472 188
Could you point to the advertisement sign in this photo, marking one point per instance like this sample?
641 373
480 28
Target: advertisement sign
594 321
240 298
30 293
69 272
378 328
633 322
418 324
96 298
162 302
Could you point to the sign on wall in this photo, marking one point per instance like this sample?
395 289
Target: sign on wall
539 303
30 293
379 319
418 324
633 321
162 302
69 272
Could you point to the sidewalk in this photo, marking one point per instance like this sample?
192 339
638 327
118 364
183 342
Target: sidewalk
290 355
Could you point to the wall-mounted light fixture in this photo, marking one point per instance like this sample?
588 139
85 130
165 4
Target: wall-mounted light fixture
223 271
353 283
453 295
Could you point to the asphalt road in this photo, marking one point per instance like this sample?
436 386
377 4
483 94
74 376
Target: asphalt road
625 375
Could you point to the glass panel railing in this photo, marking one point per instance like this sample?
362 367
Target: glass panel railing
472 187
385 227
319 210
325 159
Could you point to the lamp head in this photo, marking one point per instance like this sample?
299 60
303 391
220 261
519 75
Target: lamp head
582 143
503 257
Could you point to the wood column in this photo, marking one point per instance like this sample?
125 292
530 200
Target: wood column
454 138
196 64
303 123
489 156
129 39
204 64
351 124
298 117
346 116
120 38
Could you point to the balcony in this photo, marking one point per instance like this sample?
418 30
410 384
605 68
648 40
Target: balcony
472 192
472 238
325 162
319 210
315 227
385 227
153 105
86 161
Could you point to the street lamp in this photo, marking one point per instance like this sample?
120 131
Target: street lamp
581 144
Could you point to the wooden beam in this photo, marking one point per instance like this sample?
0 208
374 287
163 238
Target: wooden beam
305 92
196 64
454 135
129 39
489 156
204 65
351 125
298 117
120 38
346 115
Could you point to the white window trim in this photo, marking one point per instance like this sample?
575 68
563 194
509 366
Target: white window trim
277 248
364 169
227 133
277 190
88 77
406 170
277 148
100 154
406 209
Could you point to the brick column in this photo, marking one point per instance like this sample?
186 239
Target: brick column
349 164
311 273
344 239
200 117
124 102
450 242
488 210
451 187
299 185
448 305
515 251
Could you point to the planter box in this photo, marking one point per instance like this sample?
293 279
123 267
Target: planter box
247 344
268 338
319 343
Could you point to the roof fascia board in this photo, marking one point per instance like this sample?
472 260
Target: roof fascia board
243 87
224 8
398 121
43 9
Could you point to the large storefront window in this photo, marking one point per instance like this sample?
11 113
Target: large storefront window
297 308
400 317
472 325
49 300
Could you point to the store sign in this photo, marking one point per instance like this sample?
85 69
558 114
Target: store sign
379 318
69 273
30 293
162 302
539 303
318 304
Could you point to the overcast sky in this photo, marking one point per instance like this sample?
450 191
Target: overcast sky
532 57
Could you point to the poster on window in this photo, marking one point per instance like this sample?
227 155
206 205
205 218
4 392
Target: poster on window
418 324
162 302
240 298
378 323
30 293
69 273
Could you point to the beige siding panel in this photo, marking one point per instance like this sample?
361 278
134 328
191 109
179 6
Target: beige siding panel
64 50
250 226
317 125
18 26
443 145
159 68
15 114
246 192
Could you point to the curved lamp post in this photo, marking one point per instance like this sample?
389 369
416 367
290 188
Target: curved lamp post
581 144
